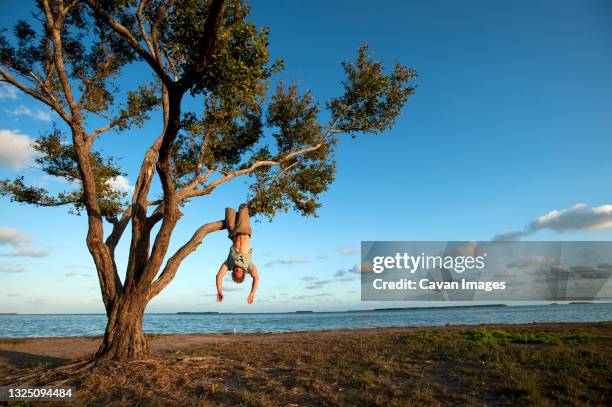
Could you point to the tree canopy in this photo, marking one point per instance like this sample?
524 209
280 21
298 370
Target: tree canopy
227 136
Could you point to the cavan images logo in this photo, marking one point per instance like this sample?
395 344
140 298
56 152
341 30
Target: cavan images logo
486 271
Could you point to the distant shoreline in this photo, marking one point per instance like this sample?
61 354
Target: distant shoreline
354 311
390 309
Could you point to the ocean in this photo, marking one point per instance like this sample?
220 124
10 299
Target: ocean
39 325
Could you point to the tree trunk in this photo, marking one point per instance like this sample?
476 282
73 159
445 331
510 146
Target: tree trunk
124 339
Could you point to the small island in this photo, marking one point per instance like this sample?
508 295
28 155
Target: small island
197 313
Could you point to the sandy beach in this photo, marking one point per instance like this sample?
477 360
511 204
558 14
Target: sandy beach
536 364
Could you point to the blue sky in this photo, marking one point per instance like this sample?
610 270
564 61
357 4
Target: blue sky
510 121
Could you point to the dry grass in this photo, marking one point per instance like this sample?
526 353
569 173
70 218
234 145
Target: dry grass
539 365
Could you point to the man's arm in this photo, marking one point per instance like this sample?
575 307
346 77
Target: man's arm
222 270
255 276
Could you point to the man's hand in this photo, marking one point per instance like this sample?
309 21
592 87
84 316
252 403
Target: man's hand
250 298
219 296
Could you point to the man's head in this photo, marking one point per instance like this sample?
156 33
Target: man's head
238 275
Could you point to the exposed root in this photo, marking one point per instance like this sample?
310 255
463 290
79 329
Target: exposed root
199 358
52 377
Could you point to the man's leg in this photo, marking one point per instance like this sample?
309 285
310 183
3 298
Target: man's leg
243 223
230 222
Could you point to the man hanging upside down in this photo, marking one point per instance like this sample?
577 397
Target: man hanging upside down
240 258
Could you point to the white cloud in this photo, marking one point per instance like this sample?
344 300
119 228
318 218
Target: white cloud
8 91
293 260
467 249
308 278
121 183
16 150
11 269
13 238
534 262
305 297
37 114
75 274
28 252
318 284
232 287
301 297
365 267
359 268
577 218
78 266
45 179
510 235
346 250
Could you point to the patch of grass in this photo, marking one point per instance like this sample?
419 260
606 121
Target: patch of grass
11 341
581 338
43 364
495 337
19 403
423 395
488 337
429 337
545 339
253 399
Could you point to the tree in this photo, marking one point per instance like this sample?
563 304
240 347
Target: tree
206 49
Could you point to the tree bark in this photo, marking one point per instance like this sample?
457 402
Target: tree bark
124 338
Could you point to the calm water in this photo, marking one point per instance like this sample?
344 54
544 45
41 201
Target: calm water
16 326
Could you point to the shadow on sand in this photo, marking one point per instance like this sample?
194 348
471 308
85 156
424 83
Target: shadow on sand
25 360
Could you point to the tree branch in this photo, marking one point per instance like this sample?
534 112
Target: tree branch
192 192
174 262
211 30
171 213
139 249
154 41
131 40
54 28
97 132
118 228
110 283
143 31
7 77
